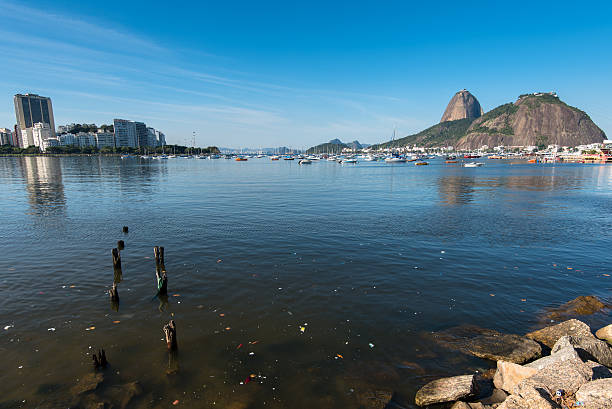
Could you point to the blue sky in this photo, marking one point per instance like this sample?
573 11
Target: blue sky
259 74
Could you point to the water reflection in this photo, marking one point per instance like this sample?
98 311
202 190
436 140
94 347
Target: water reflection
462 189
43 177
456 190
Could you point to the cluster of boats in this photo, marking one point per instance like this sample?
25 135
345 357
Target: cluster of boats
419 160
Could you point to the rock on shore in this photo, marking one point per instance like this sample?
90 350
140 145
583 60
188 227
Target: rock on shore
578 368
489 344
446 390
550 335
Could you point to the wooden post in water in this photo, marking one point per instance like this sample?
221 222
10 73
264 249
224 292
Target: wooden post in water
158 251
99 360
114 293
162 281
170 332
125 229
116 259
120 245
160 271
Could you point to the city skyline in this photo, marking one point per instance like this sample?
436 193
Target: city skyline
237 79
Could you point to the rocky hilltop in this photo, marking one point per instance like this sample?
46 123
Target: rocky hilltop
534 119
461 106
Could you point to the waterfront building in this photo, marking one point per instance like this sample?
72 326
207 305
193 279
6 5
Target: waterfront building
105 139
66 139
40 133
161 138
151 137
6 136
130 133
31 109
125 133
84 139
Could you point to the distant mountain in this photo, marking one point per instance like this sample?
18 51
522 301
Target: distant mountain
463 105
335 146
533 120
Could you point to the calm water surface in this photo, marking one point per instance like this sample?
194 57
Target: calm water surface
368 259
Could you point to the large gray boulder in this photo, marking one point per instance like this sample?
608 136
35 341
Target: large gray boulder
564 354
446 390
550 335
596 394
489 344
599 371
605 333
509 374
587 347
568 375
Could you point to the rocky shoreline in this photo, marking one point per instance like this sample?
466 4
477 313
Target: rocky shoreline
560 366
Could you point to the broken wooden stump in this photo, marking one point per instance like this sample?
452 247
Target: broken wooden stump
158 251
170 332
99 359
162 281
120 245
125 229
116 259
114 296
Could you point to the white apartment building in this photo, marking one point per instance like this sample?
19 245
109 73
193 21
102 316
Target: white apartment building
40 133
105 139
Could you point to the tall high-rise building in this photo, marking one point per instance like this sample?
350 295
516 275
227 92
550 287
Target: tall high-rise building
130 133
31 109
142 135
6 136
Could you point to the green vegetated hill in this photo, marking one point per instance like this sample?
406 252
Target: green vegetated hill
534 119
442 134
335 146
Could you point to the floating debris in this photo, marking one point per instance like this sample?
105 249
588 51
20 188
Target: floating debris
90 328
116 322
51 329
371 345
6 328
176 402
339 356
302 329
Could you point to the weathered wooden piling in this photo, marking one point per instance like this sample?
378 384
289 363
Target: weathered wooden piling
170 332
116 259
114 293
125 229
120 245
99 359
158 251
162 280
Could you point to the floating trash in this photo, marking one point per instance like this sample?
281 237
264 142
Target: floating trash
6 328
51 329
90 328
302 329
176 402
371 345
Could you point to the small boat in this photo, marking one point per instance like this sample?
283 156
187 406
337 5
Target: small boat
349 161
532 161
472 164
288 158
421 163
450 161
274 157
369 158
305 162
451 157
395 160
239 159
